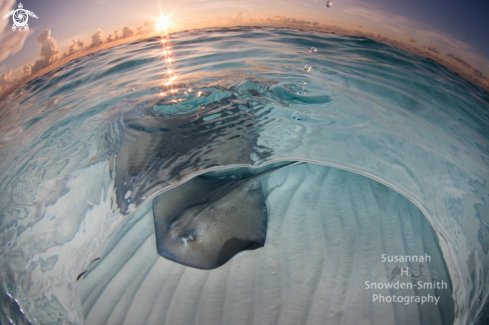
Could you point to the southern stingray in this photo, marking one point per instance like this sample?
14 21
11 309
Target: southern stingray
206 221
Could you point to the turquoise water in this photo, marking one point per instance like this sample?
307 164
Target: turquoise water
86 145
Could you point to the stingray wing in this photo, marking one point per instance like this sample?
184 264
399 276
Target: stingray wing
9 14
30 13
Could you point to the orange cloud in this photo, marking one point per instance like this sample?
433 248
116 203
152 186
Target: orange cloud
111 39
127 32
5 81
49 51
459 60
411 40
433 49
26 70
477 73
148 27
74 48
96 39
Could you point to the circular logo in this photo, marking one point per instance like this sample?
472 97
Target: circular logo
20 18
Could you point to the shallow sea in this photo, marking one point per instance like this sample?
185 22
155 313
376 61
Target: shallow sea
397 163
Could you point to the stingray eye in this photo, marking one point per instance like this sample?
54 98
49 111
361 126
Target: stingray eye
188 237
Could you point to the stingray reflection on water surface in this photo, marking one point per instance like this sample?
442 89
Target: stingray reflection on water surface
206 221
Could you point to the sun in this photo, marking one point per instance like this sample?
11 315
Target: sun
162 23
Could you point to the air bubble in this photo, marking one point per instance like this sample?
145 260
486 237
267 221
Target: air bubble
307 68
313 50
329 4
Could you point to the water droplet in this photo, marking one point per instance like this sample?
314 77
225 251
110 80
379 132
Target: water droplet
189 88
329 4
313 49
307 68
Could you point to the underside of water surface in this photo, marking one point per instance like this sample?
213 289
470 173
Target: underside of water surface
396 163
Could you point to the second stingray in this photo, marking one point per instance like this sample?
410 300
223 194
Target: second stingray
206 221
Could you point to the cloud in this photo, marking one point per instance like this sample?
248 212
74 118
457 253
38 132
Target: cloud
5 81
238 16
111 39
148 27
49 54
459 60
96 39
411 39
49 51
11 42
383 20
127 32
356 25
76 46
433 49
476 72
26 70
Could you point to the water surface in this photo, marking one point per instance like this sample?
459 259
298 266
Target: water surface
85 146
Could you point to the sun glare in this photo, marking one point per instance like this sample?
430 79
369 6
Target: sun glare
162 23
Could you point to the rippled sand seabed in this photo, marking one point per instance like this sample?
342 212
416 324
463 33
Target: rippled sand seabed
327 231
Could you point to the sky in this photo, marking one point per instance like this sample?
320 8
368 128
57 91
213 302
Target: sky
452 32
466 21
